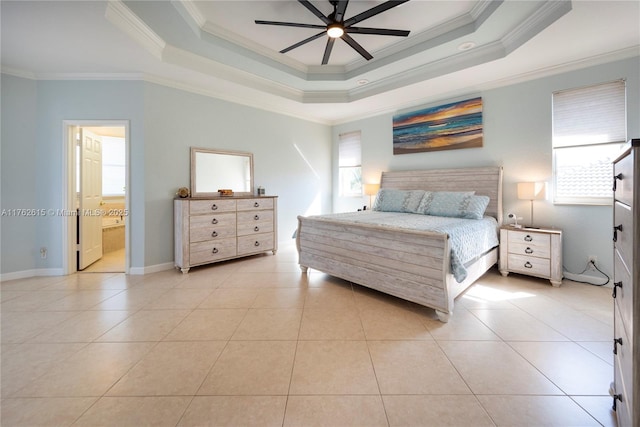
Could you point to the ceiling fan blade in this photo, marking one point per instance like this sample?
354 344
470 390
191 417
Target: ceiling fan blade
373 11
305 41
356 46
290 24
327 50
315 11
340 10
377 31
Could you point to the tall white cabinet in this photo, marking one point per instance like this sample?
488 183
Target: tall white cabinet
626 293
221 228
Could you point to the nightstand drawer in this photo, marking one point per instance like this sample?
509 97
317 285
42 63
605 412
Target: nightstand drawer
542 251
529 238
529 265
624 185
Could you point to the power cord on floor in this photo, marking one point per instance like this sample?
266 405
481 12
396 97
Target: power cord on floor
589 264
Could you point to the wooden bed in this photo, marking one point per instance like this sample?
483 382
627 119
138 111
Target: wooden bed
373 256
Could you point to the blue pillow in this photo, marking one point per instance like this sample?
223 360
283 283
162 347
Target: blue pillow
389 200
456 204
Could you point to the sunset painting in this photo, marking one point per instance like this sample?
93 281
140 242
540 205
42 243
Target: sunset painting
445 127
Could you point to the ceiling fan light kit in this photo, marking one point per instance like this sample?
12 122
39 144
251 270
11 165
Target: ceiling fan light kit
336 27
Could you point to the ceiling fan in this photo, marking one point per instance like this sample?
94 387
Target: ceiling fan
336 27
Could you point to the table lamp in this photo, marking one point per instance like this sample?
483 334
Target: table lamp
371 190
531 191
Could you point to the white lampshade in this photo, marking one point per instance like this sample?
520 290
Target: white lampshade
531 191
371 189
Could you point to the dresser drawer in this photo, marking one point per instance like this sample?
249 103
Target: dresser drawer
256 243
538 251
623 237
529 265
254 216
623 411
531 239
197 207
624 186
211 232
203 252
254 228
623 359
624 294
255 204
214 219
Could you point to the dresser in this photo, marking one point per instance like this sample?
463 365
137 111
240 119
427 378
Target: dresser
626 294
217 229
531 251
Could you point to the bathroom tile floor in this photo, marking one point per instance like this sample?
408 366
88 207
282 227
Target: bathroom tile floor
256 342
111 262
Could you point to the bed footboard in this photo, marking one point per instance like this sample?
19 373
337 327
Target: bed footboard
408 264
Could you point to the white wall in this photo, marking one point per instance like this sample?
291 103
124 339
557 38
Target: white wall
164 123
517 136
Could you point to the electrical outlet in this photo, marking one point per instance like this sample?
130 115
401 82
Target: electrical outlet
43 252
592 260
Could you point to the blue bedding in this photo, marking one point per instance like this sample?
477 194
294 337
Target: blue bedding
468 238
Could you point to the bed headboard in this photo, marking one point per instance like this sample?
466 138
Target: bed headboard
485 181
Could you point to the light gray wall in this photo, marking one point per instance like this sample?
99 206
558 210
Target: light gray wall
517 136
177 120
18 173
164 123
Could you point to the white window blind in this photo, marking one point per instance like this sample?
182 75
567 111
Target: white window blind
113 166
589 128
349 164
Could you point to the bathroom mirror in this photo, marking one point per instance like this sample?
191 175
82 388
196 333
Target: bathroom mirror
213 170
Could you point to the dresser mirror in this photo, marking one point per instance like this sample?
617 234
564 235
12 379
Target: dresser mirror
213 170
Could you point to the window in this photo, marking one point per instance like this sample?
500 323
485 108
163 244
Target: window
113 166
349 164
589 129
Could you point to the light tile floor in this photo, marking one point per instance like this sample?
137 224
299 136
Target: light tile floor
111 262
256 342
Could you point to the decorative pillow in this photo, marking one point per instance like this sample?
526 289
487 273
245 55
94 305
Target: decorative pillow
389 200
457 204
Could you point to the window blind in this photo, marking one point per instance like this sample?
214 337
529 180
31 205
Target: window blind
590 115
349 149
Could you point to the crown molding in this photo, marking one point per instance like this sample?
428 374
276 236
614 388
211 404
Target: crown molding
123 18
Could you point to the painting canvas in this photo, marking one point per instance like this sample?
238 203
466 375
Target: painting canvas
445 127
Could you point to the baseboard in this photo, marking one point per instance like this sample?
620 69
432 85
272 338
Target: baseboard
25 274
151 269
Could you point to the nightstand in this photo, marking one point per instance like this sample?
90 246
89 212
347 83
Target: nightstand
532 251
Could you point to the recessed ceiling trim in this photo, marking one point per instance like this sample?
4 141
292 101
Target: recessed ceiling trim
544 16
183 58
123 18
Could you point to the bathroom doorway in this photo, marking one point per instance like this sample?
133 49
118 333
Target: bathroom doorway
97 237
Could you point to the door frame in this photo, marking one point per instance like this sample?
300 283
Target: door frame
69 225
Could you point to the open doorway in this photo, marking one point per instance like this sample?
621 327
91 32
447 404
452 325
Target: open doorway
97 177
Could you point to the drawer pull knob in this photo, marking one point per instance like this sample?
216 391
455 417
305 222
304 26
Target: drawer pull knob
214 234
528 238
214 207
615 181
528 251
257 243
616 285
615 398
528 265
214 251
615 232
256 228
215 221
616 341
256 205
256 217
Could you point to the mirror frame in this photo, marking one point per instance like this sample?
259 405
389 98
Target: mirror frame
194 188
